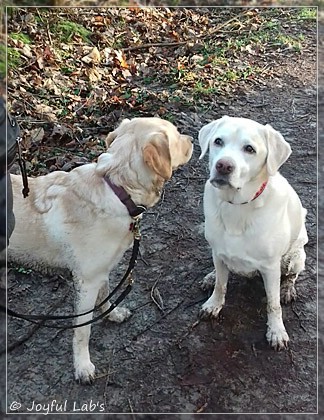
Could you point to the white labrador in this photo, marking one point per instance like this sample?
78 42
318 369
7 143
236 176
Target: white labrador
76 221
254 220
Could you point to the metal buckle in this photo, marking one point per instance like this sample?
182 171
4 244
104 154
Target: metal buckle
130 278
136 228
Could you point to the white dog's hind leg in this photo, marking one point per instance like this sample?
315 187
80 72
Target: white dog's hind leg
118 314
209 281
287 288
85 300
276 334
214 304
293 263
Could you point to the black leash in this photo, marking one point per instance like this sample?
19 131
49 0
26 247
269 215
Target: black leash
127 276
22 165
68 327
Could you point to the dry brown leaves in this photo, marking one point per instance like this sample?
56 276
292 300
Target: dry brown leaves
119 62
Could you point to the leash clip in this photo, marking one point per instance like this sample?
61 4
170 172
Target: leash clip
130 278
136 228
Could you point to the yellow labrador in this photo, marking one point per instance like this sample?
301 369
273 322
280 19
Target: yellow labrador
77 221
254 220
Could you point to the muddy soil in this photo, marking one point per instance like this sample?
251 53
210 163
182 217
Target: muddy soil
163 361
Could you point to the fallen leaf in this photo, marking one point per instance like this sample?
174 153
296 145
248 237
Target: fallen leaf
94 75
92 57
40 62
45 111
121 58
26 51
37 135
52 86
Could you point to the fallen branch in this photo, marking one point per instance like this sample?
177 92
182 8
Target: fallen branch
155 44
134 338
156 297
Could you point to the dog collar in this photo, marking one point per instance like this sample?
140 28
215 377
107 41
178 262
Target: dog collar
256 195
125 198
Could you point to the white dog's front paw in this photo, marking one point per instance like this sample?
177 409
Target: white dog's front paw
278 338
119 314
210 310
84 372
208 281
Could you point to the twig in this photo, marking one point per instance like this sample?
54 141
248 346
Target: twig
298 316
49 35
107 381
154 44
202 408
223 24
164 315
141 306
291 356
190 329
31 121
131 408
155 296
254 350
158 320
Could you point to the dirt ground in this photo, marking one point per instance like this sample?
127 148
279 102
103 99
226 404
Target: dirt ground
163 361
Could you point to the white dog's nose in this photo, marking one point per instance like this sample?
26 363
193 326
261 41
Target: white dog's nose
225 166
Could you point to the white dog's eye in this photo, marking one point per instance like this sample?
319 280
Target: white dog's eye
249 149
219 142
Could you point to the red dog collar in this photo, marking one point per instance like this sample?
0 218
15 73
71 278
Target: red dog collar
256 195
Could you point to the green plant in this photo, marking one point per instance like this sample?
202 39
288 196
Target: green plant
2 61
24 270
13 58
200 89
67 29
169 116
67 70
147 80
230 75
271 24
288 41
307 13
19 36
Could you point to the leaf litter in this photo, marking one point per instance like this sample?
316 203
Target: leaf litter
87 68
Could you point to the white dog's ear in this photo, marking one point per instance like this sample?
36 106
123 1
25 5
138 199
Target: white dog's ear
278 149
204 137
157 156
205 134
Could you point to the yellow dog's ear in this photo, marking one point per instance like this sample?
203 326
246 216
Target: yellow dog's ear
157 156
111 136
